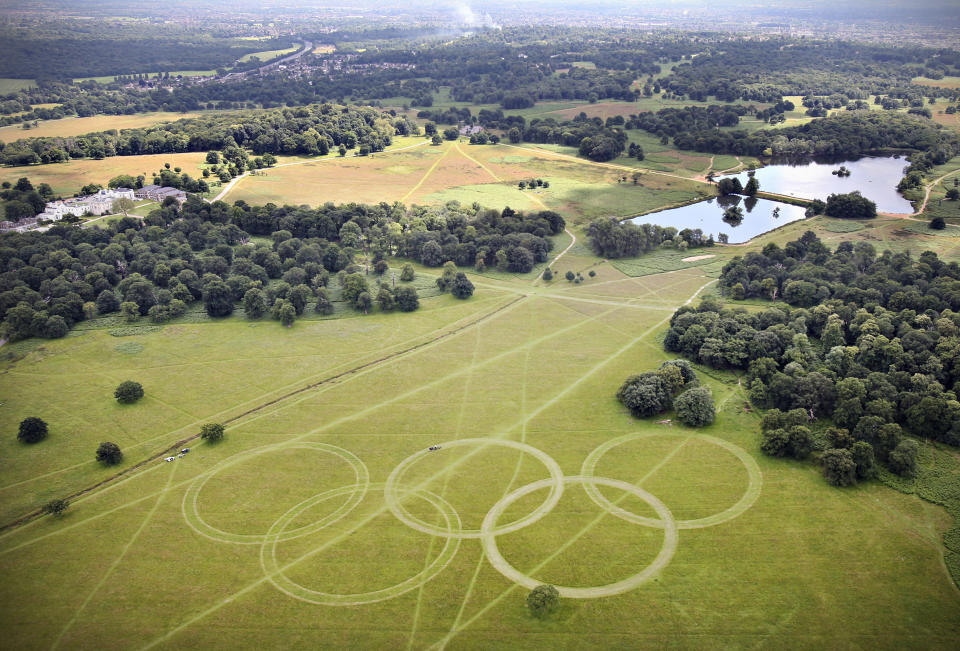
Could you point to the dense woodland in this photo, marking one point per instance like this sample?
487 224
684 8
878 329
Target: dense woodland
869 344
312 130
610 238
156 267
88 48
513 68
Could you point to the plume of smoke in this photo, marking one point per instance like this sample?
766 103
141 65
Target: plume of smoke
470 18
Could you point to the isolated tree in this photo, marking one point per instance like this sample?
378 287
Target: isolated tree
128 392
938 224
32 430
953 194
733 215
543 601
407 274
109 453
839 467
123 205
55 507
547 274
461 287
254 303
695 407
570 276
211 432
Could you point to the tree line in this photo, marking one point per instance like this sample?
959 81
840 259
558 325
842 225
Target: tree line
312 130
158 267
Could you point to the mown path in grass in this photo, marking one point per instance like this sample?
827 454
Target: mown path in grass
502 433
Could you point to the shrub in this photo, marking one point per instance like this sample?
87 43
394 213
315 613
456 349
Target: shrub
128 392
55 507
938 224
32 430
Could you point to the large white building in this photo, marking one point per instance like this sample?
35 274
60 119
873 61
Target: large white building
97 204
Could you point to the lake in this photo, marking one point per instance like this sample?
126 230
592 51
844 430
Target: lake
758 217
875 177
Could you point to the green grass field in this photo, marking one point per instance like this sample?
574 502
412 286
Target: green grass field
68 178
267 55
487 174
67 127
322 519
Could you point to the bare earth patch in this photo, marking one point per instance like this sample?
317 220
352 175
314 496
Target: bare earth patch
694 258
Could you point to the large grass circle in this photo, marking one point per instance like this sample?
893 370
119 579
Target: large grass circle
755 482
192 515
667 523
396 507
276 534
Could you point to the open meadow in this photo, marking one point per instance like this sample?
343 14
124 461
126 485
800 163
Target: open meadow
486 174
323 516
67 178
67 127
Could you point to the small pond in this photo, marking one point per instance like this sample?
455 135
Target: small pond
759 216
874 177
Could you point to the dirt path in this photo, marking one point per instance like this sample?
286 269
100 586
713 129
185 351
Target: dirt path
573 240
926 199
